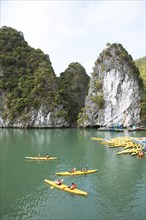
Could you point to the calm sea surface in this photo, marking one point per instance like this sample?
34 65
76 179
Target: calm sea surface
116 192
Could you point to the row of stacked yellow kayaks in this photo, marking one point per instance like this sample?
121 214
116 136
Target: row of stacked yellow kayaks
128 143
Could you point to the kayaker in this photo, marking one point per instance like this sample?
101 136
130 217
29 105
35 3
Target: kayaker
141 153
73 170
39 155
58 182
47 156
73 186
84 169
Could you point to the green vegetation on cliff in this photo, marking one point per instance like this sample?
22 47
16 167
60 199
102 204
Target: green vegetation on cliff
141 64
27 77
72 90
119 51
28 81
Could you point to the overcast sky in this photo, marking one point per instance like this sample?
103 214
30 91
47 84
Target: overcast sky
77 31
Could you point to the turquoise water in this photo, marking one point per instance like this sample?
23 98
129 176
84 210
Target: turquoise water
116 192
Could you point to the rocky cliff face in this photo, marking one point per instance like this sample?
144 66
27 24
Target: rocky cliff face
37 118
115 91
30 93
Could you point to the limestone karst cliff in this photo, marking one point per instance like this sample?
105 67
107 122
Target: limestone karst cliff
31 95
115 91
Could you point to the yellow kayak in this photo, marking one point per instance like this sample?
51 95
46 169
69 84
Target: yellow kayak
97 139
78 172
41 158
134 153
65 188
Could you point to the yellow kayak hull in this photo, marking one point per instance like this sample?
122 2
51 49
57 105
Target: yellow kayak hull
65 188
78 172
41 158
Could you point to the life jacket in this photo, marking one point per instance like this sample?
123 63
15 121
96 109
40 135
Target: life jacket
73 186
58 182
73 170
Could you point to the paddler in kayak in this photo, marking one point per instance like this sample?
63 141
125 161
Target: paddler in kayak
73 170
58 182
73 186
84 169
47 156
